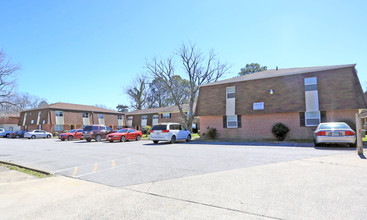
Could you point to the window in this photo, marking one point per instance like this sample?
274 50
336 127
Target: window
119 127
130 118
85 115
103 127
231 121
59 127
109 129
155 116
119 117
59 114
258 105
32 121
312 118
144 117
166 115
100 116
174 127
159 127
231 92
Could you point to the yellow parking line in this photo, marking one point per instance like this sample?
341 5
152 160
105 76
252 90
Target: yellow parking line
75 171
113 163
95 167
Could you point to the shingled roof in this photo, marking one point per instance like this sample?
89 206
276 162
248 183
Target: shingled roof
77 107
280 72
169 109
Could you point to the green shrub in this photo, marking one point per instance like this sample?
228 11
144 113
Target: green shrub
146 130
280 131
211 133
55 134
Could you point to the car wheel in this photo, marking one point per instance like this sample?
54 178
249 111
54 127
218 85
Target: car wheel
138 138
7 135
188 139
48 136
111 141
316 144
62 139
88 139
70 138
33 136
123 139
17 136
98 138
156 142
353 145
173 139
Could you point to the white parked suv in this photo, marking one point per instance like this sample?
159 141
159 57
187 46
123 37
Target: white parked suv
169 132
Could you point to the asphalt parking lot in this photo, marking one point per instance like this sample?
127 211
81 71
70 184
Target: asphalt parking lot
129 163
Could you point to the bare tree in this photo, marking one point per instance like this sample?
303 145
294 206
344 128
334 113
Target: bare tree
138 92
18 102
7 81
196 67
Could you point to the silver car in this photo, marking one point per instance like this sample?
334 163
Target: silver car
37 134
334 133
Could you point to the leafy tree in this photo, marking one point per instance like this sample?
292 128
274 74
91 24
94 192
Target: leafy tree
122 108
252 68
196 67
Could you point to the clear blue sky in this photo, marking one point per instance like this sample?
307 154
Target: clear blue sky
86 52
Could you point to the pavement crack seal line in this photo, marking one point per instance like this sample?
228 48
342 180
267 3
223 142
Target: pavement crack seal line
201 203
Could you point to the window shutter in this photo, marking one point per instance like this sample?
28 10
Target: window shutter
323 116
238 121
225 121
302 119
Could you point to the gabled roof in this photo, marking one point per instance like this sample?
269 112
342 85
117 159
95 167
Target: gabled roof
76 107
168 109
280 72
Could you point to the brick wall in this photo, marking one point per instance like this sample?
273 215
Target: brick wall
259 126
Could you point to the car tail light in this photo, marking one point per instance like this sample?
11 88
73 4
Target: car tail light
349 133
151 131
321 133
165 131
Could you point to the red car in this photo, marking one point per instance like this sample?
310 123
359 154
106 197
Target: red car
125 134
73 134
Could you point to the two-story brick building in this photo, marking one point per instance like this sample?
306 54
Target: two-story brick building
65 116
9 121
247 107
140 118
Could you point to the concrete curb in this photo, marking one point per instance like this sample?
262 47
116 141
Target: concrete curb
24 167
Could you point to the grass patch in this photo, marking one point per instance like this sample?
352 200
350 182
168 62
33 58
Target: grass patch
25 170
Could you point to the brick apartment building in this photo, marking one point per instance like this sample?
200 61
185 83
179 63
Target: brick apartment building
65 116
140 118
9 121
247 107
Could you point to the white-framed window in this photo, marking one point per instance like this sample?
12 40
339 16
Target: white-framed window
100 116
166 115
155 116
59 113
312 118
85 115
59 127
258 105
310 84
232 121
231 92
130 118
119 117
32 121
144 117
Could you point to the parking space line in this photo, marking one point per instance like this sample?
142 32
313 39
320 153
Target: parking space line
95 167
85 174
75 171
107 161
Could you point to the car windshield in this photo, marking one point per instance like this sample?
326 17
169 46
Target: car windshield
334 126
159 127
122 131
71 131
